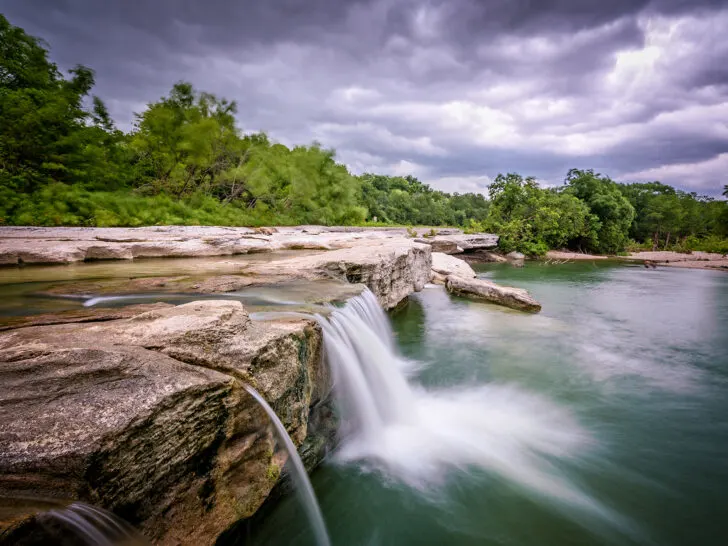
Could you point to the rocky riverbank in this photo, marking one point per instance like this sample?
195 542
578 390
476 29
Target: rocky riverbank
141 409
692 260
29 245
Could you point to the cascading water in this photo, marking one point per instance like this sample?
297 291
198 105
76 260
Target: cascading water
418 436
298 473
77 523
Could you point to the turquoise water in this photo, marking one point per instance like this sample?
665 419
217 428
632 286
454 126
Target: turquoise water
623 381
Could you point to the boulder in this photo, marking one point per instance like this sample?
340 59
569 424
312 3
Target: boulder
444 265
516 258
480 289
146 415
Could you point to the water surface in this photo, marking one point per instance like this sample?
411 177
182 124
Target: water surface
601 420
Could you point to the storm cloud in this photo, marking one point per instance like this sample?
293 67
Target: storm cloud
452 91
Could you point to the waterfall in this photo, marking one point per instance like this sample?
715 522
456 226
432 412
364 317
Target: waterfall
298 473
418 435
78 523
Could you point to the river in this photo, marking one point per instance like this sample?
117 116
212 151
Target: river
601 420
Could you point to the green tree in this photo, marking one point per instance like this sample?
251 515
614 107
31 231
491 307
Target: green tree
606 202
46 134
531 219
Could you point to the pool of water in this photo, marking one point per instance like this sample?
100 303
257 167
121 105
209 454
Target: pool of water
31 290
607 419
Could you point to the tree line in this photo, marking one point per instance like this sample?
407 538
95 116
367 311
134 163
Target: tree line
185 161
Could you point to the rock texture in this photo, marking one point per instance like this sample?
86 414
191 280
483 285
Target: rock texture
141 410
444 265
460 242
480 289
146 415
693 260
27 245
391 269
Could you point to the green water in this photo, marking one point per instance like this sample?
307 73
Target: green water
638 357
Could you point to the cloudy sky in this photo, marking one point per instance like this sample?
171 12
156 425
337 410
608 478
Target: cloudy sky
452 91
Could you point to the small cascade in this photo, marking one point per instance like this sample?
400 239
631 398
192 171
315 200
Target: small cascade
80 524
298 473
418 435
371 389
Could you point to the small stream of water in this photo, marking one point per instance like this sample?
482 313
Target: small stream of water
298 473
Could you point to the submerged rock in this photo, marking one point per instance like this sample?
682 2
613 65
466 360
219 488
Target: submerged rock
146 415
516 259
444 265
515 298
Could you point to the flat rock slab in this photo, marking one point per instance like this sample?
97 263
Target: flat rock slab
29 245
480 289
462 242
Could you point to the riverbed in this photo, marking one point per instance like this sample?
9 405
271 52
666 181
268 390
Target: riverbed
601 420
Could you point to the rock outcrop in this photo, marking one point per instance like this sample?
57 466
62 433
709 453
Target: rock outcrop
444 265
27 245
480 289
146 415
391 269
462 242
141 410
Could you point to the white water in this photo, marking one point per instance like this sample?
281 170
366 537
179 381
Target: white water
298 473
418 436
94 526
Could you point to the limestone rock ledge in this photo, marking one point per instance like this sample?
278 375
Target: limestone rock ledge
146 415
62 245
391 269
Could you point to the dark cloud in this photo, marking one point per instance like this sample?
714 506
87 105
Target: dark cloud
454 90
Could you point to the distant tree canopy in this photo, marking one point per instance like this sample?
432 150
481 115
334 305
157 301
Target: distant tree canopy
185 161
533 220
406 200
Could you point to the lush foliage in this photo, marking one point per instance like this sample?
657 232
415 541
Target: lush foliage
406 200
62 162
533 220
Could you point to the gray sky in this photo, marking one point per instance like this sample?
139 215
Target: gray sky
452 91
